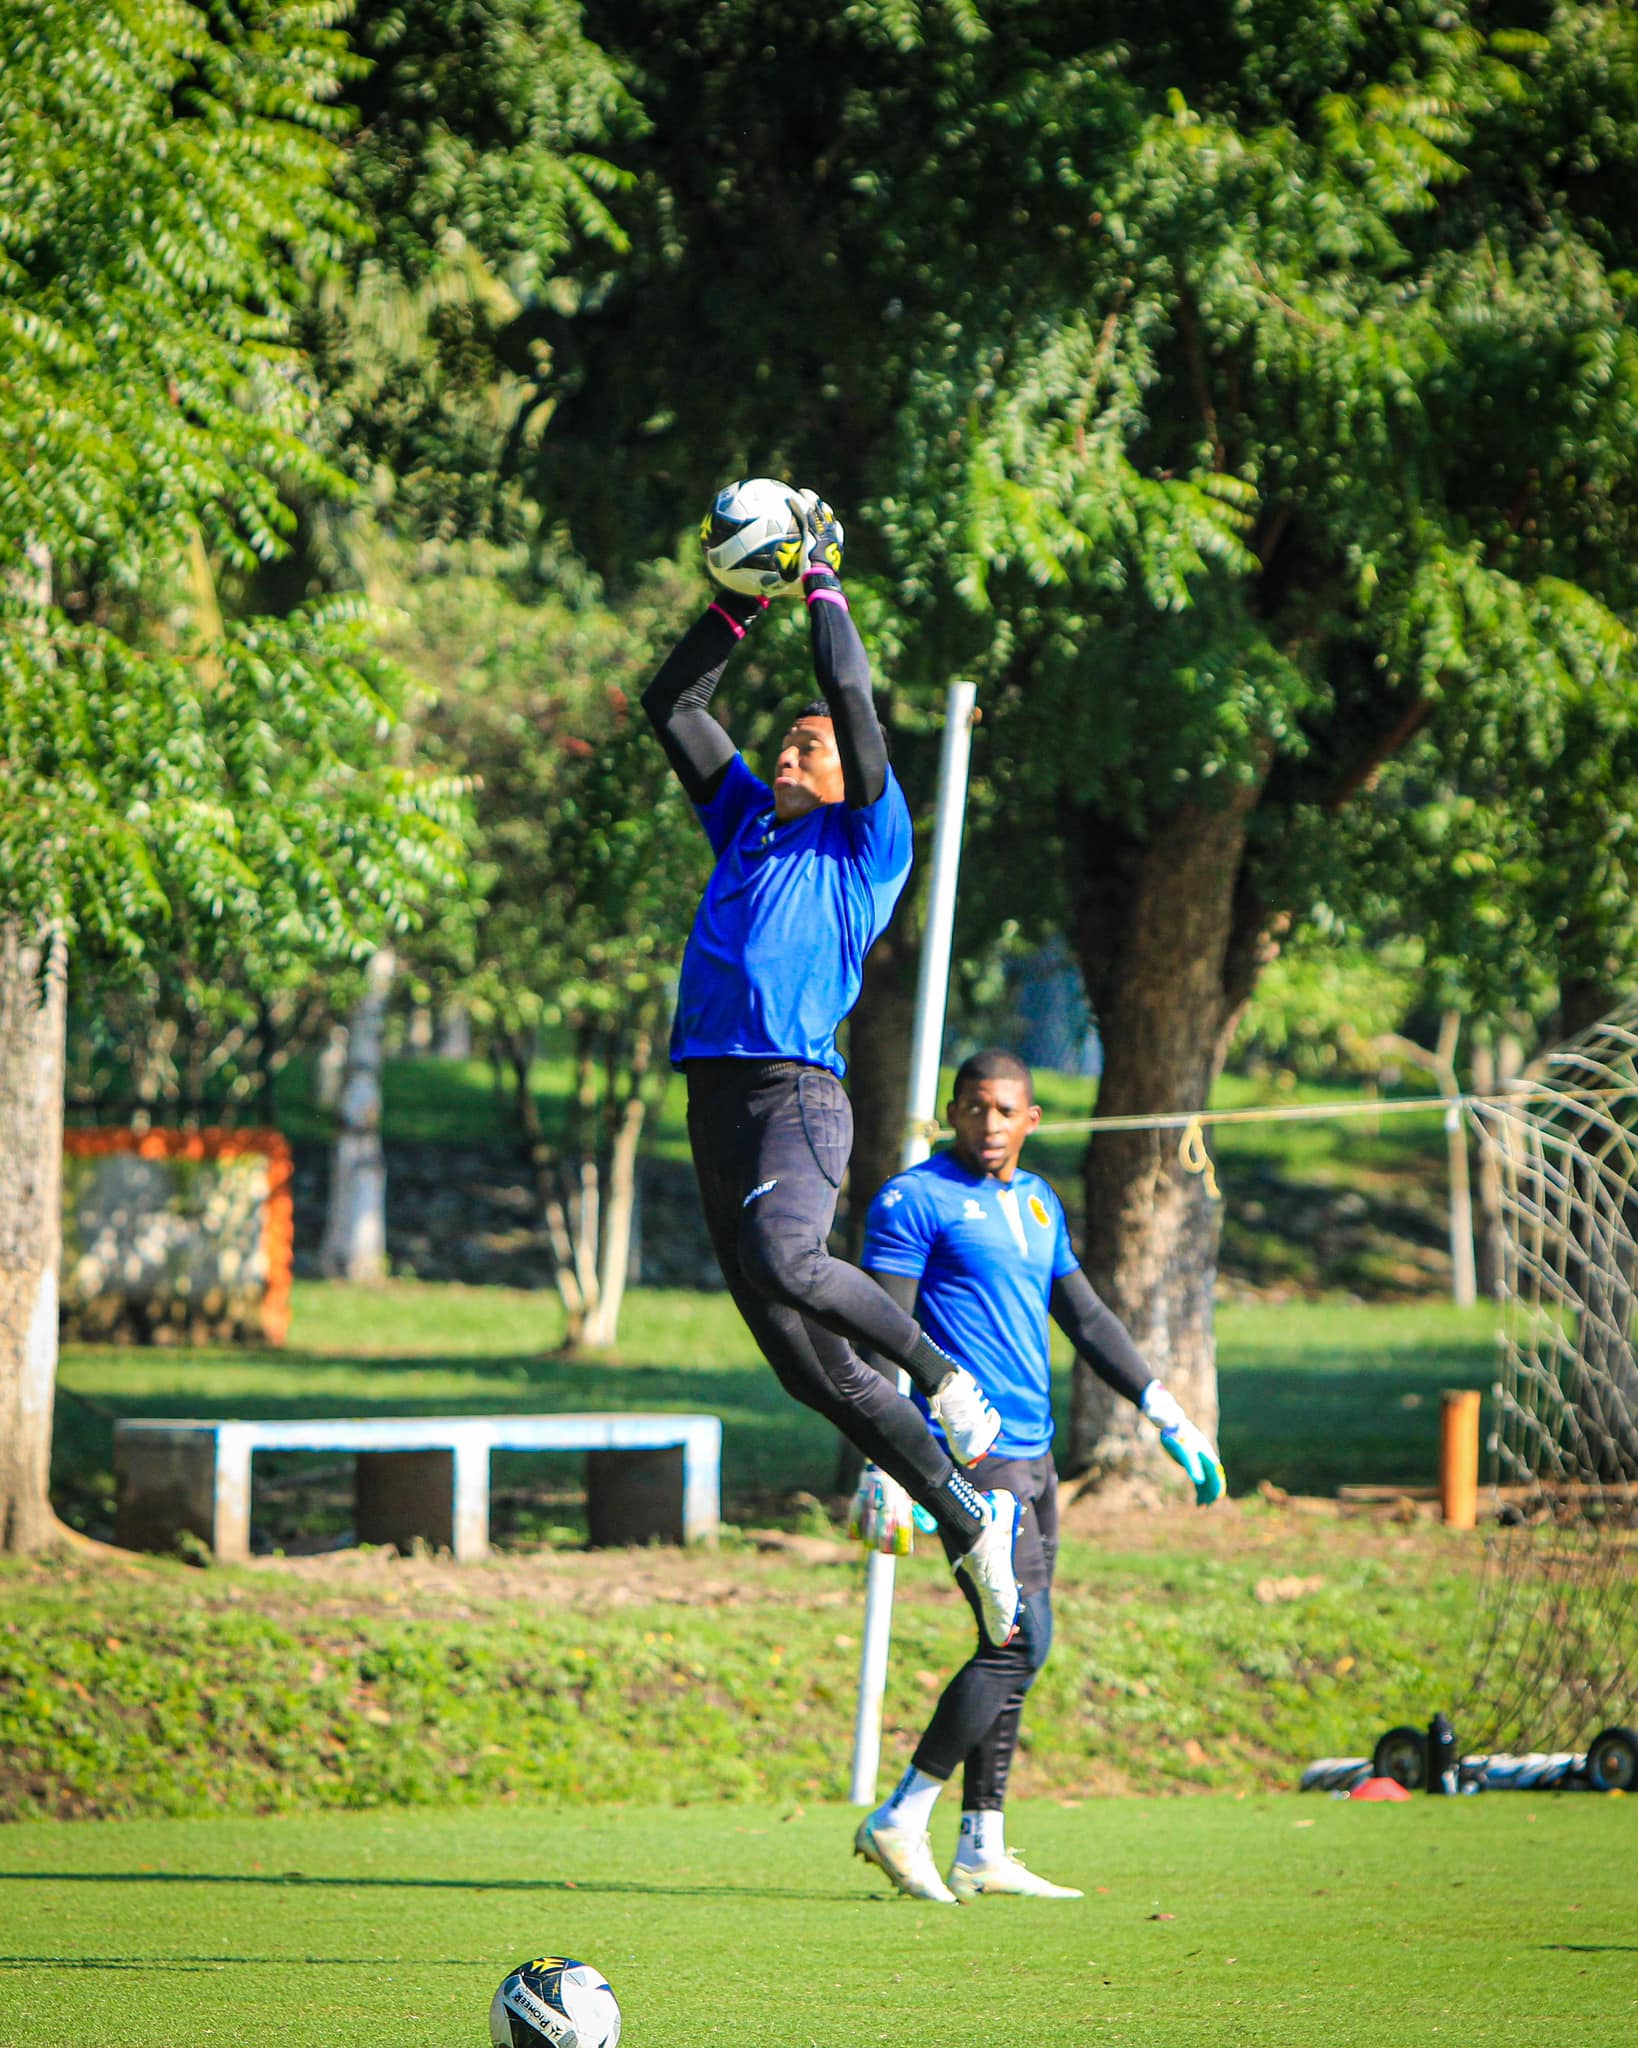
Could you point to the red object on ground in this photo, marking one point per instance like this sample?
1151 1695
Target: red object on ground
1379 1788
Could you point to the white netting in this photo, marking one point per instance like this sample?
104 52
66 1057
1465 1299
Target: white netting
1558 1646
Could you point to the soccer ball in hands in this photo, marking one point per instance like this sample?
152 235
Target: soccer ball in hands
753 537
554 2002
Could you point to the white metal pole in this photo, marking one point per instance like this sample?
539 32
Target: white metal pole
921 1107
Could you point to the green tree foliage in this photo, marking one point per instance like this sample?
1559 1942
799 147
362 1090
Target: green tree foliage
1248 394
476 164
167 170
587 859
170 781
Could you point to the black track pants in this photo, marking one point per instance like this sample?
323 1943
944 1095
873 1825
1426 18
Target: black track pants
976 1720
771 1142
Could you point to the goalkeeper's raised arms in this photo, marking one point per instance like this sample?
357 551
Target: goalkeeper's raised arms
1189 1447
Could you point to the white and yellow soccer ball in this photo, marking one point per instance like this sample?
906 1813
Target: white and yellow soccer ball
753 538
554 2002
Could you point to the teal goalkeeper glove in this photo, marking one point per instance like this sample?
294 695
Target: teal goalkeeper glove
880 1516
1188 1446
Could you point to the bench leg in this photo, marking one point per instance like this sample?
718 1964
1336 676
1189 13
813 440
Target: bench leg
166 1486
702 1490
470 1540
442 1497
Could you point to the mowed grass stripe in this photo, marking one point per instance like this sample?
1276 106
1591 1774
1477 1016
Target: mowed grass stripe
1290 1920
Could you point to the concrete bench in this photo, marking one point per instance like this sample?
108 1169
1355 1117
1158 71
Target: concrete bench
648 1477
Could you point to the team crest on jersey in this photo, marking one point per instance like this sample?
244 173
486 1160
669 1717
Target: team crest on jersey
1038 1209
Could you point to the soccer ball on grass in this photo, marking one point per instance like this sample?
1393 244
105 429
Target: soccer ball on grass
753 538
554 2002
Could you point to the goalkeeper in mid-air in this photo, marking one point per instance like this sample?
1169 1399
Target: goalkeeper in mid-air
980 1249
808 873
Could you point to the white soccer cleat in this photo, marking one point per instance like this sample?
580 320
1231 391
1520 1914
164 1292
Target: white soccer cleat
987 1568
961 1410
1007 1878
906 1857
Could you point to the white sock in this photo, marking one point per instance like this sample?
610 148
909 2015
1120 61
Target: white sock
983 1837
911 1802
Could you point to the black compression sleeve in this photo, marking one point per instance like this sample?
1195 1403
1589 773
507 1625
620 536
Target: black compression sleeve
1099 1335
902 1288
842 670
678 700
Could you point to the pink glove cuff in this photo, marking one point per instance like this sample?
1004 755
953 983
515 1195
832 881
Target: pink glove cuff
737 625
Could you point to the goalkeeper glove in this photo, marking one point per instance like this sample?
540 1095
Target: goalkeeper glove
822 535
1190 1447
880 1516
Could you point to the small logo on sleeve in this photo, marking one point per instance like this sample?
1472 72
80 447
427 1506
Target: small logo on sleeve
762 1190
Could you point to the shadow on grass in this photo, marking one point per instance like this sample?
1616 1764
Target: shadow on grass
770 1443
292 1879
199 1965
1309 1431
1317 1431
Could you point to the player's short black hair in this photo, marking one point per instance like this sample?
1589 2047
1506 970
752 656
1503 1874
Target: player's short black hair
993 1064
820 709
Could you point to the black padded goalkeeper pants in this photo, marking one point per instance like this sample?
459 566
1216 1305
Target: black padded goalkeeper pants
976 1721
771 1141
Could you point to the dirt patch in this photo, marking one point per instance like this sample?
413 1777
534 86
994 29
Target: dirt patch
773 1567
579 1580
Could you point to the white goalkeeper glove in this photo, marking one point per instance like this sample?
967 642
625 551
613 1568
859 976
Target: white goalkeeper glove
1190 1447
881 1516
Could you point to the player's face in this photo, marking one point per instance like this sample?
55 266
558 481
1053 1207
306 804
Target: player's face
808 772
991 1120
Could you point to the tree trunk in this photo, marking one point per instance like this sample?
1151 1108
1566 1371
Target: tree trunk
454 1033
1494 1062
550 1216
355 1233
330 1068
33 1048
588 1201
1463 1278
603 1324
878 1076
1171 938
1583 999
1440 1062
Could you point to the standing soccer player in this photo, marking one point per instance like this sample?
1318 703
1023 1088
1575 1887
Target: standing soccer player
981 1250
807 875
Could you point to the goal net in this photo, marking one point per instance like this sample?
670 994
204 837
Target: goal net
1557 1648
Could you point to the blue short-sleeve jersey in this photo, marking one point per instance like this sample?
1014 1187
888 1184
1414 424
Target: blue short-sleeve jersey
777 952
986 1253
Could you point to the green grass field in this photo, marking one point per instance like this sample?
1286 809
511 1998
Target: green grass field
1302 1922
